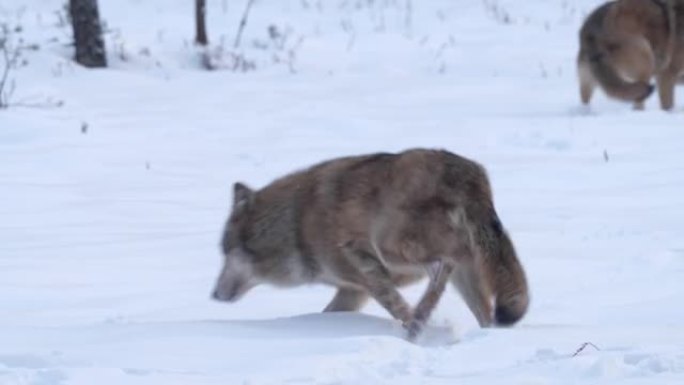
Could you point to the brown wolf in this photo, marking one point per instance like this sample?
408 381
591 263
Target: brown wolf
625 43
369 224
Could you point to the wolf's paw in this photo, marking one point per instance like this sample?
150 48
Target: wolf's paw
414 328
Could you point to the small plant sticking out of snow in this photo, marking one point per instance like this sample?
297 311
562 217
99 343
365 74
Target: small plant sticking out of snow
12 48
218 58
282 45
497 12
242 53
11 54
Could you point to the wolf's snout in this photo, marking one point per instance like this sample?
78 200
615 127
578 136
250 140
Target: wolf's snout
221 295
230 291
215 295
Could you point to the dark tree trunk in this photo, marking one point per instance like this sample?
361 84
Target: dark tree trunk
85 19
200 22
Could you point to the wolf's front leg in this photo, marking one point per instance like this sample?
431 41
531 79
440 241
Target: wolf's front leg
439 273
347 300
374 277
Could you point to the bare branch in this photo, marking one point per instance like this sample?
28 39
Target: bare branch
10 56
243 23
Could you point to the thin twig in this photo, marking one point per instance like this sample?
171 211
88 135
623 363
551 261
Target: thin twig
40 104
243 23
10 59
5 75
584 346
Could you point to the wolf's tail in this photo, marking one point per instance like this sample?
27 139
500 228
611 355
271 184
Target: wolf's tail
503 270
596 56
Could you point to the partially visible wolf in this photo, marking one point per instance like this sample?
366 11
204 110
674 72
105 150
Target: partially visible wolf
625 43
369 224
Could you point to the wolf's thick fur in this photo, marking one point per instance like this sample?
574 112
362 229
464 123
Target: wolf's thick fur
369 224
625 43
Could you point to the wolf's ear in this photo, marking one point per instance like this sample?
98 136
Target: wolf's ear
242 195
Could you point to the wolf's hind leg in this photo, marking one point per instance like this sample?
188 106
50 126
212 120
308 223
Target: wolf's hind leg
666 84
586 80
439 275
347 300
469 281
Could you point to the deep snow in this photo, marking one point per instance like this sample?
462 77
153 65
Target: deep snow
109 238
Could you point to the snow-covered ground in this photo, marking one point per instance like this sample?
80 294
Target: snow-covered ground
112 205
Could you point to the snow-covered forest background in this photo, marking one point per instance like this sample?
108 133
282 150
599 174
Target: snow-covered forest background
115 183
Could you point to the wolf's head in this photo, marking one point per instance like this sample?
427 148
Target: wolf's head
238 274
